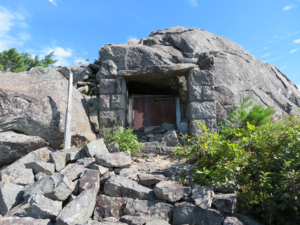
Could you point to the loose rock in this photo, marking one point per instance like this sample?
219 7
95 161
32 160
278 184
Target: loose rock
73 171
96 147
17 174
135 220
225 202
171 191
229 220
118 159
56 187
122 187
41 167
113 147
188 213
10 196
39 207
107 206
103 170
14 146
203 196
155 209
90 179
23 221
150 179
79 210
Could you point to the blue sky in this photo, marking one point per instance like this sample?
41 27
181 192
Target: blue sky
76 29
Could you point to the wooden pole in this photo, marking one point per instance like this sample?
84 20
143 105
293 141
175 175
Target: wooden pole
67 136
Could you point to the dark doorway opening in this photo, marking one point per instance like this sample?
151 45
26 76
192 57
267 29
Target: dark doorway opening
152 87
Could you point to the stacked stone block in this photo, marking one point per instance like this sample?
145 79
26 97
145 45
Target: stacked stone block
112 102
201 100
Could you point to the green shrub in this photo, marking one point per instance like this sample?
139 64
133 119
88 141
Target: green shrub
259 154
264 163
126 139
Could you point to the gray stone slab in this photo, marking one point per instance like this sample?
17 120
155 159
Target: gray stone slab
198 77
201 110
104 102
194 93
112 118
208 93
118 101
112 86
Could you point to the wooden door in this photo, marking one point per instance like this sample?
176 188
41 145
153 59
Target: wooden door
153 111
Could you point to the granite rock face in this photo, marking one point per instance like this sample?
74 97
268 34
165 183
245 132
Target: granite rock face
234 69
35 103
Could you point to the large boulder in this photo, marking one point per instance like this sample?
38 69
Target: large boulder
14 146
35 103
235 70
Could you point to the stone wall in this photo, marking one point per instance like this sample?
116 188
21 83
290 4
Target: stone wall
112 102
201 100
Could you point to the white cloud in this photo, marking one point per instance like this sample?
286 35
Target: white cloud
24 36
294 50
288 7
8 21
283 67
193 3
297 41
53 2
269 60
64 56
265 55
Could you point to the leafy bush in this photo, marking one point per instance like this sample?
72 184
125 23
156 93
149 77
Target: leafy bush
125 138
264 162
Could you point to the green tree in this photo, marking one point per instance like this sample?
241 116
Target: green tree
87 60
13 61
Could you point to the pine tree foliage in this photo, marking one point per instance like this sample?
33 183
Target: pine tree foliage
243 112
13 61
